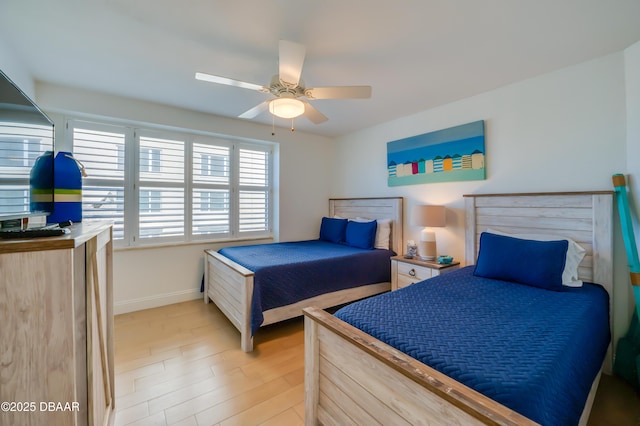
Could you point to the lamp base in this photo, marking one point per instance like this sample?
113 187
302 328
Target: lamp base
428 250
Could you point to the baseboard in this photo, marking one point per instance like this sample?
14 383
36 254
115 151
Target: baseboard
155 301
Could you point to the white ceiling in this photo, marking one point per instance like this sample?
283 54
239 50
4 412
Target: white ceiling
416 54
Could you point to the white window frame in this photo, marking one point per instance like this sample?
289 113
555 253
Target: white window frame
132 182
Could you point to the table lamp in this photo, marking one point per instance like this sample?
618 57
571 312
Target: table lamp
428 217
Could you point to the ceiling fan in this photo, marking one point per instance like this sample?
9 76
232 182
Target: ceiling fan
288 88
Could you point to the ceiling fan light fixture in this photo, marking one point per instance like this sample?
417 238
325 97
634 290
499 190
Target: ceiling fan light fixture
286 107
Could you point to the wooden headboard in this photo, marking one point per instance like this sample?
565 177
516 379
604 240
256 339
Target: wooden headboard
373 208
585 217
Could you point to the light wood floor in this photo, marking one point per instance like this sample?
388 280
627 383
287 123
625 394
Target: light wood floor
182 365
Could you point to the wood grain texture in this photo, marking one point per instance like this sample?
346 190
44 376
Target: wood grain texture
99 300
46 350
80 233
36 323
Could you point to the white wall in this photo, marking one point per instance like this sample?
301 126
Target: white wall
13 68
563 131
632 76
148 277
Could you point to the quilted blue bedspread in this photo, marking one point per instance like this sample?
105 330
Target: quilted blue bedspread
286 273
535 351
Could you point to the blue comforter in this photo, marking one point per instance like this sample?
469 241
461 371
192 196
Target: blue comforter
533 350
286 273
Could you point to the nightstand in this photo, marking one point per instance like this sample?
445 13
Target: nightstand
405 272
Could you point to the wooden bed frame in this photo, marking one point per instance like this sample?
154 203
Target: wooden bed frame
230 285
353 378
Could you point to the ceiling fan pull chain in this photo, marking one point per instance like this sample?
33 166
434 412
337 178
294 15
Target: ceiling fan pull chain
273 125
292 128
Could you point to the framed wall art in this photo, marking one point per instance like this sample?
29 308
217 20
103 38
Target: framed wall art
447 155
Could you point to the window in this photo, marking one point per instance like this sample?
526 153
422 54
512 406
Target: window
163 187
150 159
161 173
211 188
150 201
20 145
101 149
253 189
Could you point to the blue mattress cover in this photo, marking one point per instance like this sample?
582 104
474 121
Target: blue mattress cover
535 351
286 273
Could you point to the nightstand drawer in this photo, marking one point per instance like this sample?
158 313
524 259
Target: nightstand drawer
413 273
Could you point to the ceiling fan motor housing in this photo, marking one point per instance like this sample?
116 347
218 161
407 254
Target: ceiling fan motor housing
282 89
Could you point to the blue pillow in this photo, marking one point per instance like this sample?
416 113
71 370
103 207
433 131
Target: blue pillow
333 230
361 234
535 263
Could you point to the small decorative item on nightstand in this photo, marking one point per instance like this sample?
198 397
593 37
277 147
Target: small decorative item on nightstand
444 259
412 250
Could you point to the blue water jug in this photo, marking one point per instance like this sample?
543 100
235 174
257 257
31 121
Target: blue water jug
67 194
41 184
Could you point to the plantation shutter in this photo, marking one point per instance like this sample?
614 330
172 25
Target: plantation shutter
253 190
161 207
101 150
19 147
211 189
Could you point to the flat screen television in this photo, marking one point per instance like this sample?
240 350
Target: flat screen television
26 156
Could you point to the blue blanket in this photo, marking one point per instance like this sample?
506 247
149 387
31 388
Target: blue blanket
533 350
287 273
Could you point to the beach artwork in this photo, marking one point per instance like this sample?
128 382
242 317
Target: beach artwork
448 155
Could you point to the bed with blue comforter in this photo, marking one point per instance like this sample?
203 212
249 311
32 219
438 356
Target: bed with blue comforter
533 350
289 272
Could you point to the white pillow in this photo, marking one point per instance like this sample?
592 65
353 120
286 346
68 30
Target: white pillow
575 254
383 232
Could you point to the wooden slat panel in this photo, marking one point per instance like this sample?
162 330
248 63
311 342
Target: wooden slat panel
335 410
579 213
226 290
230 311
357 414
230 285
549 200
325 418
404 398
584 238
362 406
540 222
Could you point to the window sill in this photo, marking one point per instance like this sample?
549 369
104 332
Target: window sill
264 240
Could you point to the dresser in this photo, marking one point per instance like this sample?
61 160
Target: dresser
56 328
405 272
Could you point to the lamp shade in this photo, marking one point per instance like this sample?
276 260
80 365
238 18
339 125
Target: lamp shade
429 216
286 107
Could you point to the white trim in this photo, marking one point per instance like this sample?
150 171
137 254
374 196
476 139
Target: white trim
155 301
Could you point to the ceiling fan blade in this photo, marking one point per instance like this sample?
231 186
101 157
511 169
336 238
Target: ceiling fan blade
291 60
256 110
229 81
339 92
313 114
